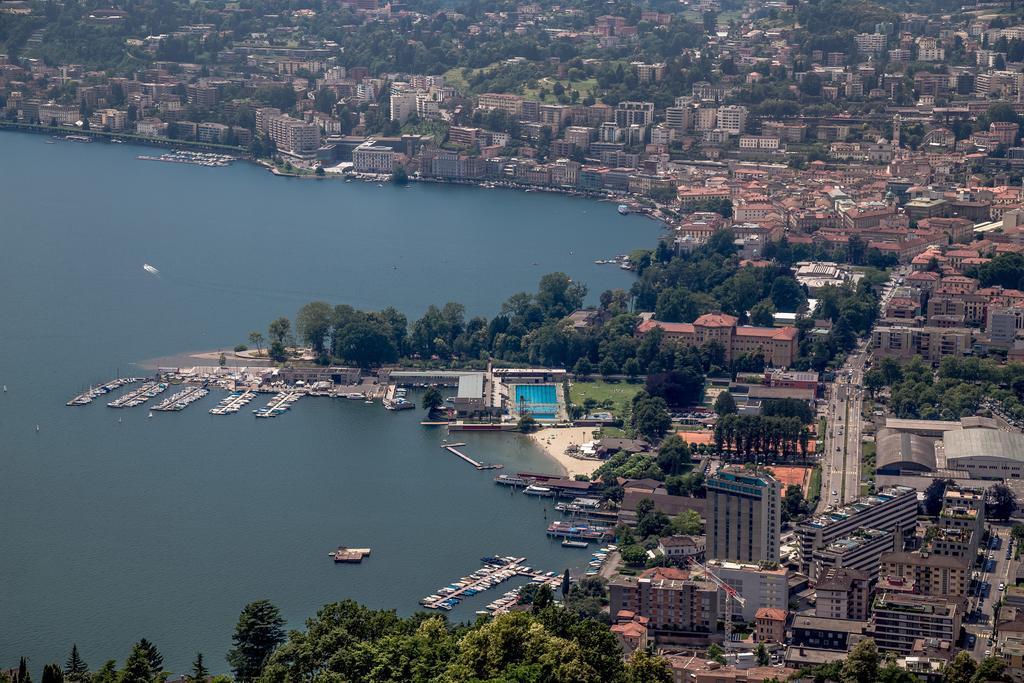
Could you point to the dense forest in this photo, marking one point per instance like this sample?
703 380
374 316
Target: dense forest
348 642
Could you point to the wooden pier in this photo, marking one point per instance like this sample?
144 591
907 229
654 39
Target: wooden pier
454 448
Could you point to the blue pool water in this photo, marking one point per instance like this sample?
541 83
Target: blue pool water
540 400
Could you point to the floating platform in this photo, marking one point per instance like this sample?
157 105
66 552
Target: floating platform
344 555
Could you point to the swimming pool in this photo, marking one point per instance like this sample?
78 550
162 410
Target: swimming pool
540 400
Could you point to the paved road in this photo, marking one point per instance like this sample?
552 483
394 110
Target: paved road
1003 572
841 460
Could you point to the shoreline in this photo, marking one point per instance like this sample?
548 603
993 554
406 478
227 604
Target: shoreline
655 211
554 441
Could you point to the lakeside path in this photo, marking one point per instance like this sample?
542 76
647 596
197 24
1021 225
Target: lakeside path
554 442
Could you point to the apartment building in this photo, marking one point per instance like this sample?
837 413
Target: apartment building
671 599
732 118
630 113
932 574
292 135
513 104
843 594
930 343
744 515
893 509
899 619
860 551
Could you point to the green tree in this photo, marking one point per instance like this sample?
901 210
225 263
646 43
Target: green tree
199 671
582 369
279 330
643 667
432 399
933 496
527 423
650 416
1000 502
137 667
861 665
687 523
75 668
153 657
725 404
763 313
634 555
793 504
761 652
52 673
256 339
674 456
106 673
960 669
313 323
716 653
990 669
260 629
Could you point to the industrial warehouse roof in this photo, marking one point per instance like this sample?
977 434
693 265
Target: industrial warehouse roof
900 451
983 443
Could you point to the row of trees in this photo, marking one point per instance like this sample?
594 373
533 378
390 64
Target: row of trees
760 435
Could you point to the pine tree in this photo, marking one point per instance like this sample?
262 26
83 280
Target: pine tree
137 667
199 671
153 657
259 631
75 669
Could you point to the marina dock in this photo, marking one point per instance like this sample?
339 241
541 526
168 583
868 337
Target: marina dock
139 396
454 448
87 397
281 402
181 399
496 570
233 403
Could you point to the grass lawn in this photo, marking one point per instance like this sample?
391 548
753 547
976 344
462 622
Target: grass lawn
584 87
619 393
814 485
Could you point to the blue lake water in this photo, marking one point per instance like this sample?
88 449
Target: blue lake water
164 528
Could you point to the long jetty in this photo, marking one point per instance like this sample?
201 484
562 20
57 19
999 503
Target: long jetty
279 404
454 448
233 403
86 397
137 397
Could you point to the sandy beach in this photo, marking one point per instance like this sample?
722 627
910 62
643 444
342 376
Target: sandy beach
555 441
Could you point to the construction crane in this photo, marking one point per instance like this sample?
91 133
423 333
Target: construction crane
730 595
